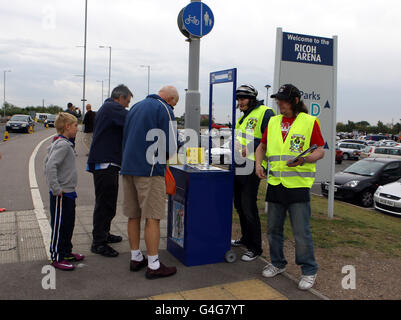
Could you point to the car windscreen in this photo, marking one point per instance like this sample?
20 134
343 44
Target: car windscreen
19 118
52 118
365 168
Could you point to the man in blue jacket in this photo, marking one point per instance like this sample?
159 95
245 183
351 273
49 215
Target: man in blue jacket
104 162
150 139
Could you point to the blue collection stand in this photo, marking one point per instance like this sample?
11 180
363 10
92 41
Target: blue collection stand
200 213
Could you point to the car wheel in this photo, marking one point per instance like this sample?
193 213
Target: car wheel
339 161
367 198
345 156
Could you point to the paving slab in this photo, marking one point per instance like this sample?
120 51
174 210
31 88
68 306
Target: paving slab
110 278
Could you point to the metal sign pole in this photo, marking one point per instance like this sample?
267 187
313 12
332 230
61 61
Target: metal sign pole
333 137
192 96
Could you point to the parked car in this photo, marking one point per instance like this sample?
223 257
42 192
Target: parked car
386 152
351 150
50 120
355 141
360 180
388 198
388 143
20 122
375 137
339 156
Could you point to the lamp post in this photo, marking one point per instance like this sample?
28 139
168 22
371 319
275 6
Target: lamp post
267 93
108 47
148 67
4 97
84 73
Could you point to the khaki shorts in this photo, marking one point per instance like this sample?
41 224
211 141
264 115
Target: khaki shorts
144 197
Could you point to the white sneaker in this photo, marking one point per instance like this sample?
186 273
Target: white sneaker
307 282
249 256
271 271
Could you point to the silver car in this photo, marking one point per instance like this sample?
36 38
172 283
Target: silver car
351 150
388 198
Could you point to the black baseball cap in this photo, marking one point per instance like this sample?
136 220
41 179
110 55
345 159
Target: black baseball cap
286 92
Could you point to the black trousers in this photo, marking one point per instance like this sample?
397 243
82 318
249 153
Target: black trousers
62 220
245 202
106 193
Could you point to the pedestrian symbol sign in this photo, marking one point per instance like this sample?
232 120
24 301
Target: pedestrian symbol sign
198 19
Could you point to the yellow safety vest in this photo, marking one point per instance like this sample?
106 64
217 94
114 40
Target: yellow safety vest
250 128
279 152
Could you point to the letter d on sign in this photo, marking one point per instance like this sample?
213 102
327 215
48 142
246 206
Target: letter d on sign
315 109
349 281
49 280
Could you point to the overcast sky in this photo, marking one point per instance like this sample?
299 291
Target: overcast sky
38 42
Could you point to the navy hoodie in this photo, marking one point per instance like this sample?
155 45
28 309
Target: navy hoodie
150 113
108 129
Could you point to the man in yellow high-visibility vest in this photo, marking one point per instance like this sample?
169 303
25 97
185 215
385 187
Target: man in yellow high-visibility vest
249 130
287 136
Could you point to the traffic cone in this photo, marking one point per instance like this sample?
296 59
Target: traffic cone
6 136
47 126
30 130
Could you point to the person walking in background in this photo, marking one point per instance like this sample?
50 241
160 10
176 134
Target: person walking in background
289 183
104 162
143 178
61 176
73 111
88 122
76 112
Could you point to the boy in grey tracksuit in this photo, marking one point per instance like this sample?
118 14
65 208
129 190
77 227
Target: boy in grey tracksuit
61 176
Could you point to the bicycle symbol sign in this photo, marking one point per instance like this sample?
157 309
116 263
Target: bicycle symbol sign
198 19
191 19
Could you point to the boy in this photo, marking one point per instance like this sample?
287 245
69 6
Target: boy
61 176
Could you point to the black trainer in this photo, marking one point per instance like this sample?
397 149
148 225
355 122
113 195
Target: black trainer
104 250
250 256
111 238
237 243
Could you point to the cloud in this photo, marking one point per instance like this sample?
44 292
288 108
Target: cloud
40 38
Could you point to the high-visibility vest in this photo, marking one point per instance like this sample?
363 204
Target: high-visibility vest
250 128
278 152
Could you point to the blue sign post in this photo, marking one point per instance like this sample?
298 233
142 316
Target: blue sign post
224 76
198 19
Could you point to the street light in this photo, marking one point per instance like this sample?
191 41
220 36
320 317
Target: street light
84 73
267 93
4 97
144 66
108 47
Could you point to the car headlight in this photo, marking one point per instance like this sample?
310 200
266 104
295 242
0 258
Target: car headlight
352 184
378 190
24 124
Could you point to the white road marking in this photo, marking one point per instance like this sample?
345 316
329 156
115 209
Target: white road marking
38 206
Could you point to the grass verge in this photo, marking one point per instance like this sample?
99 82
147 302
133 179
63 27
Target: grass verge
351 227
